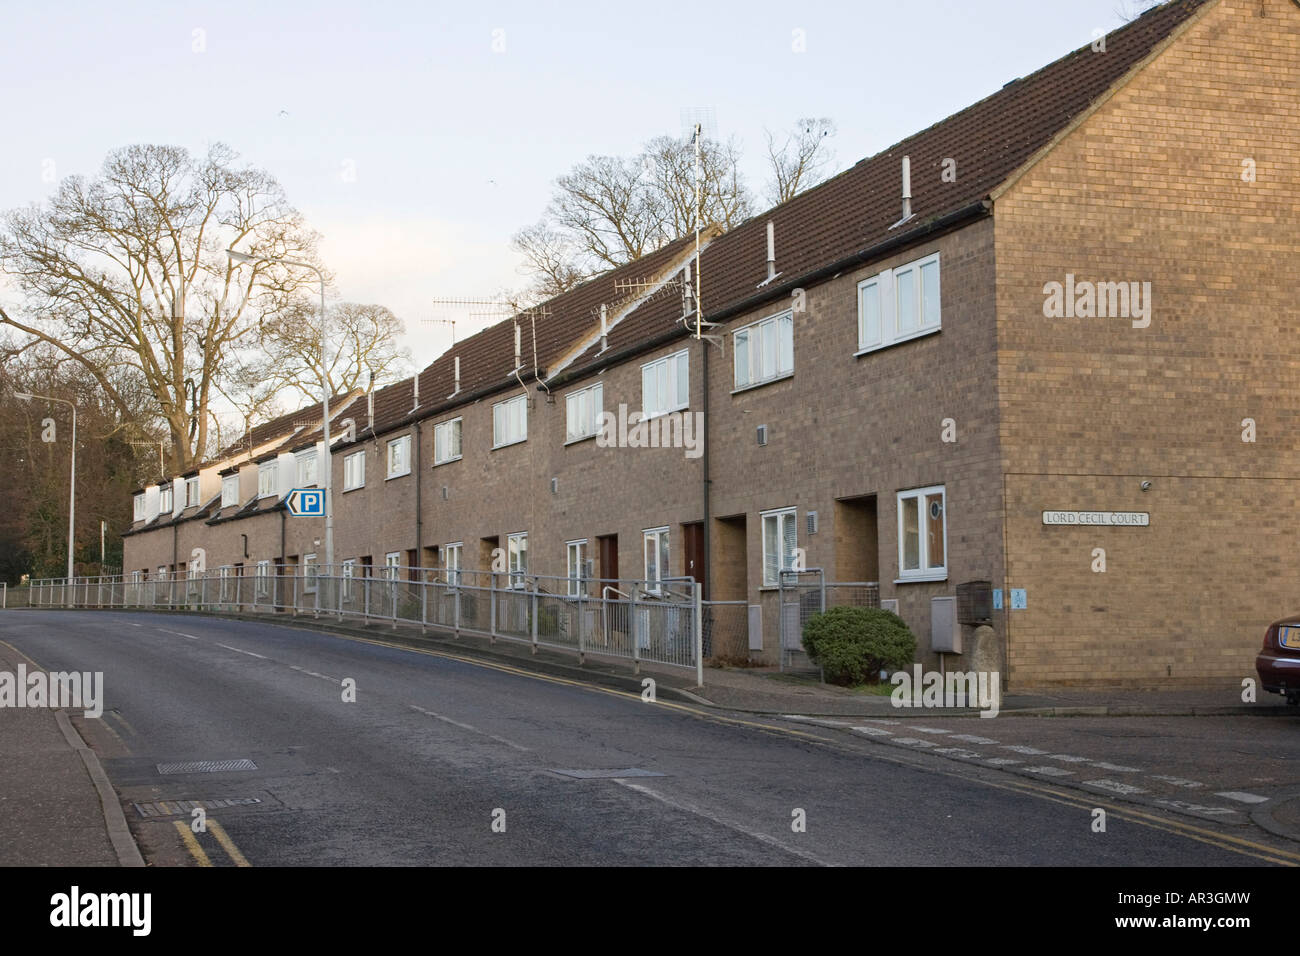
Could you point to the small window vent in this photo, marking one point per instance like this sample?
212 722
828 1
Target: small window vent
812 522
762 434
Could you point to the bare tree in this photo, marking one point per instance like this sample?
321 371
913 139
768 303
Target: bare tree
611 210
800 161
363 345
127 271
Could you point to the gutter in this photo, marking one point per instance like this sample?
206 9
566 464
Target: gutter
967 213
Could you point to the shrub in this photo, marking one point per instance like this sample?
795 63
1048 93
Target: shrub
853 644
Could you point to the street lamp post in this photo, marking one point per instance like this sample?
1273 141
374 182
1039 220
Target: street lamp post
328 464
72 484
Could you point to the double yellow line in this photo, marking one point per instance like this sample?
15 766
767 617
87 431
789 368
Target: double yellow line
217 830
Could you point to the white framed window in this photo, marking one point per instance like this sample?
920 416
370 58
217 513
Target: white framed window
510 421
399 457
165 499
451 556
306 468
229 490
780 539
923 534
266 479
665 384
262 580
446 441
138 503
192 492
764 350
517 558
223 576
349 571
392 561
310 573
354 471
582 410
577 566
899 304
656 558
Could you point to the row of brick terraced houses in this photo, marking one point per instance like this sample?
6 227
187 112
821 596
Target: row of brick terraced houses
1067 373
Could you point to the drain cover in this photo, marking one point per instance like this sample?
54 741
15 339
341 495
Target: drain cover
171 808
607 774
207 766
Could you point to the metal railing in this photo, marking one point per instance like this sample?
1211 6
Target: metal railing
634 620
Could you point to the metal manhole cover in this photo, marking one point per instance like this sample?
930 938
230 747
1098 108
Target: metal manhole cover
207 766
171 808
607 774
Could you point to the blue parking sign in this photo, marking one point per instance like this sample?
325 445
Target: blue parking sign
306 503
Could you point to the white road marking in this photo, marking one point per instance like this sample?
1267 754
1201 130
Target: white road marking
303 670
754 834
1114 786
958 752
1020 749
1002 761
914 742
874 731
973 739
1178 782
878 720
1114 767
1197 808
472 729
1050 771
240 651
178 633
931 730
1068 758
1242 797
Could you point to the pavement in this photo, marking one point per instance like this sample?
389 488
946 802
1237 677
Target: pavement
1219 768
56 803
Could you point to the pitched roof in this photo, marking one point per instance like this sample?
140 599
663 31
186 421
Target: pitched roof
487 358
856 211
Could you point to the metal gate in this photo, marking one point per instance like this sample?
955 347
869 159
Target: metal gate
801 594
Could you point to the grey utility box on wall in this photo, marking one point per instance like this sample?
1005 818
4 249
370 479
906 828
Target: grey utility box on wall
945 631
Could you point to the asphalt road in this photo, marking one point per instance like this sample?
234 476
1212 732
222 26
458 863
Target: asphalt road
440 761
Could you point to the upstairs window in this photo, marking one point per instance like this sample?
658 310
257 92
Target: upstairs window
764 351
165 499
354 471
192 492
229 490
266 479
665 384
582 412
306 468
446 441
399 457
510 421
138 504
899 304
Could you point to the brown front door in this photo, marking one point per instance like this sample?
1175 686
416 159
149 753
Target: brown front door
694 535
608 556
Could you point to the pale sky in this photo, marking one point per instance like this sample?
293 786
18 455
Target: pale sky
418 137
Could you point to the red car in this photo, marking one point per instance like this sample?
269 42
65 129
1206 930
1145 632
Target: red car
1278 662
